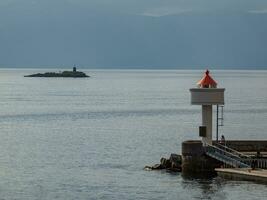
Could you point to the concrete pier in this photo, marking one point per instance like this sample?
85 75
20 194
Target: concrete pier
247 146
258 175
195 160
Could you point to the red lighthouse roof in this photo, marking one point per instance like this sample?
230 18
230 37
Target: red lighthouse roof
207 81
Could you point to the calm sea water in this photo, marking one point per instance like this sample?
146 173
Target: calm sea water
90 138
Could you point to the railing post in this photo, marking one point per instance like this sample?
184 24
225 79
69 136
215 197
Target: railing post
217 124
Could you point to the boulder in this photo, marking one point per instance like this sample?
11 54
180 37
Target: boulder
175 158
148 168
166 163
174 169
156 167
174 164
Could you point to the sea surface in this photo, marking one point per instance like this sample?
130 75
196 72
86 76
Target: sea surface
65 138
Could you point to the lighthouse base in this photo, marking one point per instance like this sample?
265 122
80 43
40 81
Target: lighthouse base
194 159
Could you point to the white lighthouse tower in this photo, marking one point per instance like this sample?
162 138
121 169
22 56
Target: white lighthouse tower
207 94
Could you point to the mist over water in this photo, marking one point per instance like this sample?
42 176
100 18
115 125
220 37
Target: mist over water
90 138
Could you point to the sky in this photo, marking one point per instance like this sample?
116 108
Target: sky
160 34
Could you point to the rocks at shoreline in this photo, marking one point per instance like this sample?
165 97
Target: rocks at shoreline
174 164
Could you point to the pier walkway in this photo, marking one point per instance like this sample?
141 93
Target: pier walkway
259 175
237 165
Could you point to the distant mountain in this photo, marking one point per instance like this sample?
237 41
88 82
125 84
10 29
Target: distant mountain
62 35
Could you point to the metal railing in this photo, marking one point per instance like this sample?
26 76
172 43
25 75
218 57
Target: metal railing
256 162
232 151
233 158
229 158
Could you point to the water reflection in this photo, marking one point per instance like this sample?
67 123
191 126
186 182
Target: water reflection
204 186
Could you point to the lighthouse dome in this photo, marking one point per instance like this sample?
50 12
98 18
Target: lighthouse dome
207 81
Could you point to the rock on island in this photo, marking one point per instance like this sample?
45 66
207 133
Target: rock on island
68 74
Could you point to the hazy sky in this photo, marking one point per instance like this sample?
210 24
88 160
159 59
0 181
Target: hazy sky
133 33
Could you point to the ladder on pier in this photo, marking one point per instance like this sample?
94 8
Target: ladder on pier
219 120
226 155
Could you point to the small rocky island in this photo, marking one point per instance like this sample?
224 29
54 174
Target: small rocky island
68 74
